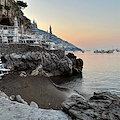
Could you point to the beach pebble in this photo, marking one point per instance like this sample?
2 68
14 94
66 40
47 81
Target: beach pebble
23 74
12 97
34 105
18 98
35 73
24 102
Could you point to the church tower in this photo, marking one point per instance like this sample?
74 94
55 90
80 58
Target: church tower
50 34
15 38
34 27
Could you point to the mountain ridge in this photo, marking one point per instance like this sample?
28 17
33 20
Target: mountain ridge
67 46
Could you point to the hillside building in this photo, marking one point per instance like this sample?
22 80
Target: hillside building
15 34
34 27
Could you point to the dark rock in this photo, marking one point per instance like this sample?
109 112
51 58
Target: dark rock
72 101
65 66
77 63
3 59
71 55
29 61
101 106
51 63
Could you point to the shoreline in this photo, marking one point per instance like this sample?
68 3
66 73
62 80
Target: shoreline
35 88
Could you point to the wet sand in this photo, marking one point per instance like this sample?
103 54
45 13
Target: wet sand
38 89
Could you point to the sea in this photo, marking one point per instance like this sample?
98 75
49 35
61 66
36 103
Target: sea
101 72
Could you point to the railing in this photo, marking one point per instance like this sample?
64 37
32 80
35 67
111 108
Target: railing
6 27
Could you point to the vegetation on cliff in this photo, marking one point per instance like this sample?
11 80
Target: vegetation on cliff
22 4
10 9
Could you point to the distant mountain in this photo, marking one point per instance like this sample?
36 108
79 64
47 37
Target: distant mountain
67 46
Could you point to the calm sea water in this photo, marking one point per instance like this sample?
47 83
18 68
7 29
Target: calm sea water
101 72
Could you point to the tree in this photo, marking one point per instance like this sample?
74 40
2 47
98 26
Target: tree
7 7
22 4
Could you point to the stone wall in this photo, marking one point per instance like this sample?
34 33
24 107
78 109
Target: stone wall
60 53
13 48
21 48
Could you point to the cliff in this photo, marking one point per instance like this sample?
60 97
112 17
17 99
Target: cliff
8 11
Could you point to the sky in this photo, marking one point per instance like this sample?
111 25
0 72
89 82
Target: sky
88 24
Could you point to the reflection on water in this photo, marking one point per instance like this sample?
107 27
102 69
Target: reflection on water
101 72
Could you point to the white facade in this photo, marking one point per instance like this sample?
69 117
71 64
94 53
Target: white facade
11 34
6 33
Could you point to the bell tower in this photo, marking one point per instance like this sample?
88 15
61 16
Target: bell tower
50 34
15 38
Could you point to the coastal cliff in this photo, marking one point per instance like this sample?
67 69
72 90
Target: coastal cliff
43 63
8 11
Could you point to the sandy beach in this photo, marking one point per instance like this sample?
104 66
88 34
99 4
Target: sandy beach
37 89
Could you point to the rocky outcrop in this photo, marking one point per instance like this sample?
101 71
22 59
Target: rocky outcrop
65 65
39 63
102 106
43 64
77 63
11 110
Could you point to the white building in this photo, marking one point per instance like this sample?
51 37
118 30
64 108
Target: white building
6 34
15 38
14 34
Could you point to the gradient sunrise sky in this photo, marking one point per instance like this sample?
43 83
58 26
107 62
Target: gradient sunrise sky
88 24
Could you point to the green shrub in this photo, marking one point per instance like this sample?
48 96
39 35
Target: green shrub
22 4
7 7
